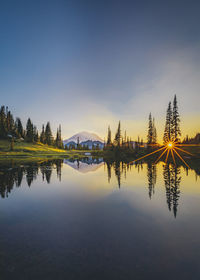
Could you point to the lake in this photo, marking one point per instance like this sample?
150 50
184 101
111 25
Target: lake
90 219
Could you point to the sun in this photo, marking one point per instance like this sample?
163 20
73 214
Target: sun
171 147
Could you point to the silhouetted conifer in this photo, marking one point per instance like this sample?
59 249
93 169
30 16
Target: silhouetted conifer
3 131
19 128
42 135
48 135
118 135
168 125
109 140
176 132
150 130
29 131
59 142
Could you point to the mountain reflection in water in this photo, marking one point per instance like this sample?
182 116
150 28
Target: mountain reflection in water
86 164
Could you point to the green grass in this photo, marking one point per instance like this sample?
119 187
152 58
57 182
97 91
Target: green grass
39 150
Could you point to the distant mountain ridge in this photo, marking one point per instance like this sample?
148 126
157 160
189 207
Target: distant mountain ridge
85 138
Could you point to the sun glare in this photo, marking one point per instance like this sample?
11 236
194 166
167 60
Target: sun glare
170 145
170 148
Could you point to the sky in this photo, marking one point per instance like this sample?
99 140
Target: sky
88 64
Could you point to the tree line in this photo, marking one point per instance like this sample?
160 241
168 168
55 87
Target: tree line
192 140
122 142
172 132
13 129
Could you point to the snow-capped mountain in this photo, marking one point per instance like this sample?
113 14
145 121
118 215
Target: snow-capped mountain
83 137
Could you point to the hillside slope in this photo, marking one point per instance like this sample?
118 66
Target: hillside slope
28 149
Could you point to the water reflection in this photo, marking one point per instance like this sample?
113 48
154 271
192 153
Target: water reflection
87 164
151 175
172 180
13 173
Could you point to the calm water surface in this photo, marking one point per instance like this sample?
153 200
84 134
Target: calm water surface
95 220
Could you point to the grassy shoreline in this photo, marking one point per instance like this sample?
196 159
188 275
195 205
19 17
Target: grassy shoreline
23 150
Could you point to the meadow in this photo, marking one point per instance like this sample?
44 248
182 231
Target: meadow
34 150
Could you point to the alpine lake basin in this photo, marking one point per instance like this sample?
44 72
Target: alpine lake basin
92 219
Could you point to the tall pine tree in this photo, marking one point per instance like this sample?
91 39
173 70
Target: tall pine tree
35 134
78 146
168 125
3 130
19 128
29 131
109 140
48 135
176 132
10 124
42 135
150 131
58 142
118 135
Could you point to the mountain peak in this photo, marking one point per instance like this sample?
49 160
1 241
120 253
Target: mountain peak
83 136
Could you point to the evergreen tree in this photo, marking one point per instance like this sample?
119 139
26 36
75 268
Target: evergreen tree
37 137
118 135
57 139
3 131
168 125
10 124
29 131
48 135
42 135
109 141
19 128
176 132
35 134
150 130
60 138
58 142
78 144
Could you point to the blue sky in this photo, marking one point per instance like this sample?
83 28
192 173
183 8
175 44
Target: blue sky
87 64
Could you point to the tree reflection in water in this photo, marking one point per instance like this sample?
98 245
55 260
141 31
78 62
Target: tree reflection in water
171 177
12 174
172 180
151 176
